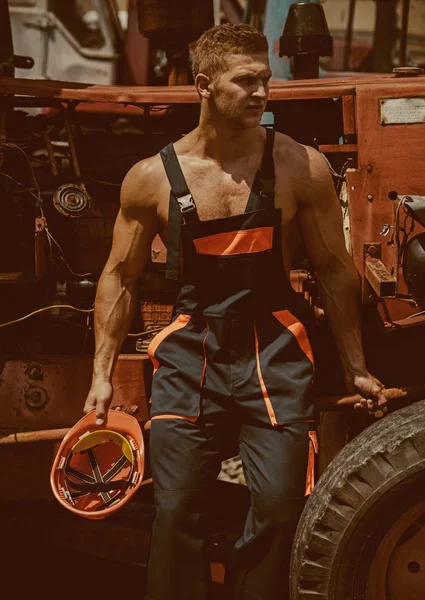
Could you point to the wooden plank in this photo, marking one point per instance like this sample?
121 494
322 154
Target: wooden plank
381 281
348 115
331 148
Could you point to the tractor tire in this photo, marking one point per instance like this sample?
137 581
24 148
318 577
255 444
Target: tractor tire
362 532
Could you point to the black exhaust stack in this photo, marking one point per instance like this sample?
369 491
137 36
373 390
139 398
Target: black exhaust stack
306 36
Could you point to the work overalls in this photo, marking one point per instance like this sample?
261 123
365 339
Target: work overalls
237 351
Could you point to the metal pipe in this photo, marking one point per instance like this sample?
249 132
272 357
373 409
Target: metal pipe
305 66
349 35
384 35
44 435
6 42
403 33
72 149
178 70
409 394
51 154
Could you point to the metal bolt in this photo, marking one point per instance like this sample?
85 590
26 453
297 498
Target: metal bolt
35 372
372 250
369 168
36 398
370 197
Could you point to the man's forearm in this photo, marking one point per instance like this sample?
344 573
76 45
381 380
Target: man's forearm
114 307
340 292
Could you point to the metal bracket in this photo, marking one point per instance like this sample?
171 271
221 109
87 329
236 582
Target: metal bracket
379 283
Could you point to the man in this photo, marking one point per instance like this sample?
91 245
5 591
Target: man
237 352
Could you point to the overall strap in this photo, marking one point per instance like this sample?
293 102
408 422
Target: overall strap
262 193
181 205
267 171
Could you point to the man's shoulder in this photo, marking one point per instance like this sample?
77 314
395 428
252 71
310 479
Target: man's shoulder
305 166
302 160
146 171
142 186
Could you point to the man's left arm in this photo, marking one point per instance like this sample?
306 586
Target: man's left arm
320 220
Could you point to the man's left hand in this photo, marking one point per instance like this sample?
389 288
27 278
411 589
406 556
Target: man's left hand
371 390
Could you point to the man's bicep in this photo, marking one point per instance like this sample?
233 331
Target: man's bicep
320 218
135 227
131 244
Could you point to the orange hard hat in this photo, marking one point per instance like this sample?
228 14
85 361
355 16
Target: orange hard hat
98 468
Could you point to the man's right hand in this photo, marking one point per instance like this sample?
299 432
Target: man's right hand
99 398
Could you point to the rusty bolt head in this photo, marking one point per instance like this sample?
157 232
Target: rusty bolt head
35 398
369 168
370 197
372 250
35 372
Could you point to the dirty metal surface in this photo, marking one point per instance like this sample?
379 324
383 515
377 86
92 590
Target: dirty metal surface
50 392
390 159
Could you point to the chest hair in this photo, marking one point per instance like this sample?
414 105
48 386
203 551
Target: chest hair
219 194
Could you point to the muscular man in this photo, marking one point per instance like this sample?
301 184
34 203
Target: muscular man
237 353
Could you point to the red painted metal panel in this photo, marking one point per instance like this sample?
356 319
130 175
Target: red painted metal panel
50 392
390 158
279 90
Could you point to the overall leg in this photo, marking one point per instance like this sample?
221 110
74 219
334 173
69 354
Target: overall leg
185 460
275 463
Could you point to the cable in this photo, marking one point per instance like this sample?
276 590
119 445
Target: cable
83 310
387 313
61 255
418 314
143 333
86 334
39 310
37 187
332 170
106 182
343 178
19 183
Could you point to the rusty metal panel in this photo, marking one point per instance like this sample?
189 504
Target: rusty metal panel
50 392
26 470
389 159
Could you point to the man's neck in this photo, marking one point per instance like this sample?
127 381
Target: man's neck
220 140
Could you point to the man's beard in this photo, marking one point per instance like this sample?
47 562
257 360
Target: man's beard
236 115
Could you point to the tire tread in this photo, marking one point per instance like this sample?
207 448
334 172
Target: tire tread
359 475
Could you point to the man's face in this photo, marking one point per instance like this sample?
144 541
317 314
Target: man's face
240 93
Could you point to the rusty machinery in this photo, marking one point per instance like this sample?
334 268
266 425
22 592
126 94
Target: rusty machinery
61 166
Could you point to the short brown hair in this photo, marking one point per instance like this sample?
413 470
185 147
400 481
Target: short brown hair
217 43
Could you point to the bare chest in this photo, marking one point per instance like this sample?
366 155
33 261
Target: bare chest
219 194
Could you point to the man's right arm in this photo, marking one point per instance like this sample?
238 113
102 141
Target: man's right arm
135 227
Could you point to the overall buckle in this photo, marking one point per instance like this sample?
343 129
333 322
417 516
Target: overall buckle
186 203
